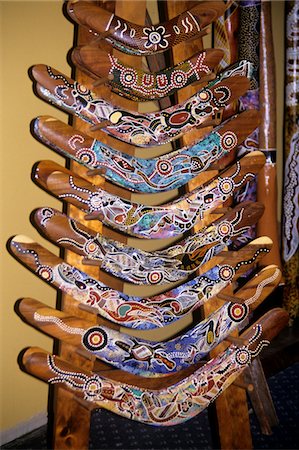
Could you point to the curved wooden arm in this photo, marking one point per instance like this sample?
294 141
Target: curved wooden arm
146 357
149 129
138 85
136 312
162 173
142 40
168 220
162 403
141 267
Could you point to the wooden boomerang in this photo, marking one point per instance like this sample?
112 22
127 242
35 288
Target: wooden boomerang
145 40
138 85
169 171
164 403
167 220
137 312
141 267
149 129
149 358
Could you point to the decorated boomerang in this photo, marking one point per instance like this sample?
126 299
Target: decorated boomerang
168 220
136 128
141 267
149 358
138 85
137 312
167 401
165 172
143 40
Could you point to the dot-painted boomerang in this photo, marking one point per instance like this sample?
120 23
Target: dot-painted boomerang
145 40
141 267
168 220
144 130
168 401
166 172
150 358
138 85
137 312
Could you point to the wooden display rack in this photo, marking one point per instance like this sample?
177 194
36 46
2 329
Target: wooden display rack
71 417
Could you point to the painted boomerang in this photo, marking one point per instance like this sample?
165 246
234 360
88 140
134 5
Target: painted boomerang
145 40
169 171
149 358
138 85
168 220
141 267
166 402
137 312
139 129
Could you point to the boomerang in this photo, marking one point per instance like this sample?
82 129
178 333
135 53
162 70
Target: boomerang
145 40
149 358
166 172
137 312
168 220
166 402
141 267
138 85
144 130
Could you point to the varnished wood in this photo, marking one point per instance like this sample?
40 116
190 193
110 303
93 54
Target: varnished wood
72 330
35 361
267 179
99 21
118 259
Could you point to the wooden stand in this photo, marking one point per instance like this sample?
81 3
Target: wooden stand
72 416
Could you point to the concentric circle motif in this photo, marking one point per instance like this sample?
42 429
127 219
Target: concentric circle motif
46 273
226 272
155 277
228 140
95 339
154 37
226 185
164 167
242 356
178 78
90 247
237 312
224 229
205 96
95 200
87 157
81 89
128 77
92 387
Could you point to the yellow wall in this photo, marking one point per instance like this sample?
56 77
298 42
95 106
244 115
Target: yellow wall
31 32
37 32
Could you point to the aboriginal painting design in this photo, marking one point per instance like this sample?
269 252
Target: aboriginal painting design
129 311
290 238
141 267
148 358
166 406
249 38
141 86
143 129
139 40
148 222
291 200
169 171
291 174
